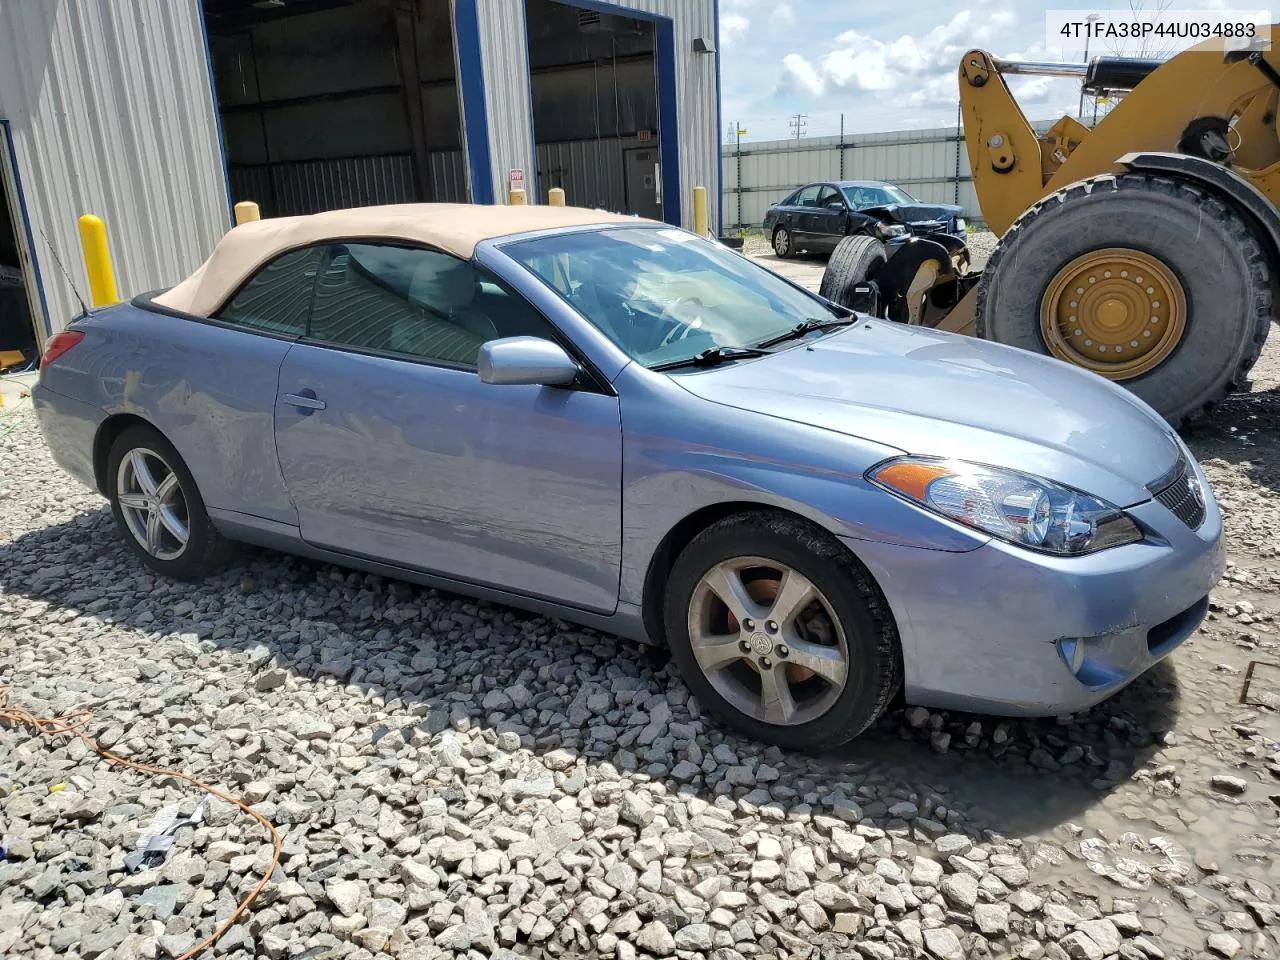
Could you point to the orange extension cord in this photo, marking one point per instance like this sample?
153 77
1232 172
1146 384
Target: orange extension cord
73 724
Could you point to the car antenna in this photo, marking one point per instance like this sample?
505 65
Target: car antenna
84 307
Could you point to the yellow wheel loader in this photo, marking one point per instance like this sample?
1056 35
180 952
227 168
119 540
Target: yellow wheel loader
1146 249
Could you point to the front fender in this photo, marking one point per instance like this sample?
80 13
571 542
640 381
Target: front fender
1225 183
677 466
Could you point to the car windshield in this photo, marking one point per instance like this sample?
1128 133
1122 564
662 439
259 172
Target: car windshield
862 197
664 295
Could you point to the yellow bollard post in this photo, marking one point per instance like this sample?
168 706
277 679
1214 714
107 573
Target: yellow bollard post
556 196
700 211
246 211
516 197
97 261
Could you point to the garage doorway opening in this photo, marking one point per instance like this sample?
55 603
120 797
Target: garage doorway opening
327 104
19 287
598 120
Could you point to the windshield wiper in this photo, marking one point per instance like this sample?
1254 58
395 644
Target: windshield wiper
711 357
806 327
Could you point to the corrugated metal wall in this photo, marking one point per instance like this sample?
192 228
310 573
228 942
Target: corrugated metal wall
505 58
922 162
110 111
590 171
310 186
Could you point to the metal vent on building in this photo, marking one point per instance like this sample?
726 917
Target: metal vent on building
590 21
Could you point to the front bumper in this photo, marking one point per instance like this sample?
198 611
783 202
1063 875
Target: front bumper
1002 630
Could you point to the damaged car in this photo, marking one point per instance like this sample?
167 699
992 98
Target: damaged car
817 216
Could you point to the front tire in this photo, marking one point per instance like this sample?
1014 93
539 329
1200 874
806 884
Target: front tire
1151 282
853 260
158 508
781 633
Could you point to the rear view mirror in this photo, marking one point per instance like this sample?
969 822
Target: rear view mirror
835 205
525 360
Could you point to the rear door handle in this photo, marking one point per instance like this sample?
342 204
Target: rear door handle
304 403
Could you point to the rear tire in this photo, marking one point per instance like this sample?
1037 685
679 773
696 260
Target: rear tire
775 559
1207 249
176 539
784 245
853 260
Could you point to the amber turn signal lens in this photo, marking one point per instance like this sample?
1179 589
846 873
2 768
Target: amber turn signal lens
911 479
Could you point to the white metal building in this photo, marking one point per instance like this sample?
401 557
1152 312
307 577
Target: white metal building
158 115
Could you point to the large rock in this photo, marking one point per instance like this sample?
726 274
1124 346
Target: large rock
656 939
943 944
961 890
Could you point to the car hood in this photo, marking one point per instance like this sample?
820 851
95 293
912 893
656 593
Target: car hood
938 394
914 212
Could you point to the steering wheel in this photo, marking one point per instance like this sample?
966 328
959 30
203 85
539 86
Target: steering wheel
680 329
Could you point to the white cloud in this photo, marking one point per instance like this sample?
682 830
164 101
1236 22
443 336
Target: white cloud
732 28
857 61
798 76
890 66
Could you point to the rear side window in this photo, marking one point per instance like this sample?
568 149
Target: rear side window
277 297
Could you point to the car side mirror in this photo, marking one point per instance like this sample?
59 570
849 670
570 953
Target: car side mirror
527 361
836 205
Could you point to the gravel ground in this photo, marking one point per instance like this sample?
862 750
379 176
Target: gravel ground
455 779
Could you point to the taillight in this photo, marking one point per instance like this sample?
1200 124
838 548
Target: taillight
59 344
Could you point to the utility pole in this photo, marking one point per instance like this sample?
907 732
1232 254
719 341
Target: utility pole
797 124
738 132
959 137
842 146
1089 21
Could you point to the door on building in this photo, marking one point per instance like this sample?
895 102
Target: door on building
597 122
337 103
19 347
642 176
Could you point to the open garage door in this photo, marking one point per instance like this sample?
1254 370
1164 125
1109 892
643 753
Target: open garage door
19 285
596 119
326 104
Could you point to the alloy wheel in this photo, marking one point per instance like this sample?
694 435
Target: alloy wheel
768 641
152 504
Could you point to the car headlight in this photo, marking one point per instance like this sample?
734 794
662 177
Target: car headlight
961 224
887 230
1028 511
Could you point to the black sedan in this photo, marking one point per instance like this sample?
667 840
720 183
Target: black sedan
818 216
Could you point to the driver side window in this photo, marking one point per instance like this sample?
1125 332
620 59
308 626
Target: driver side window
417 303
828 195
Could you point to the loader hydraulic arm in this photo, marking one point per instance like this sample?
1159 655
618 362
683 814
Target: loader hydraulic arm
1004 152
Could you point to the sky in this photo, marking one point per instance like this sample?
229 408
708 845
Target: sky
892 65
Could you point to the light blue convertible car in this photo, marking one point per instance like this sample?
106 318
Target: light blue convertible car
628 426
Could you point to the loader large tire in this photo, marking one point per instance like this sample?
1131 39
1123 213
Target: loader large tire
852 261
1181 351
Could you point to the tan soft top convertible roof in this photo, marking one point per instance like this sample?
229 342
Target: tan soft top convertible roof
453 227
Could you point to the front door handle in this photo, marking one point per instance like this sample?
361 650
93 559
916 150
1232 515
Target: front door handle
303 402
